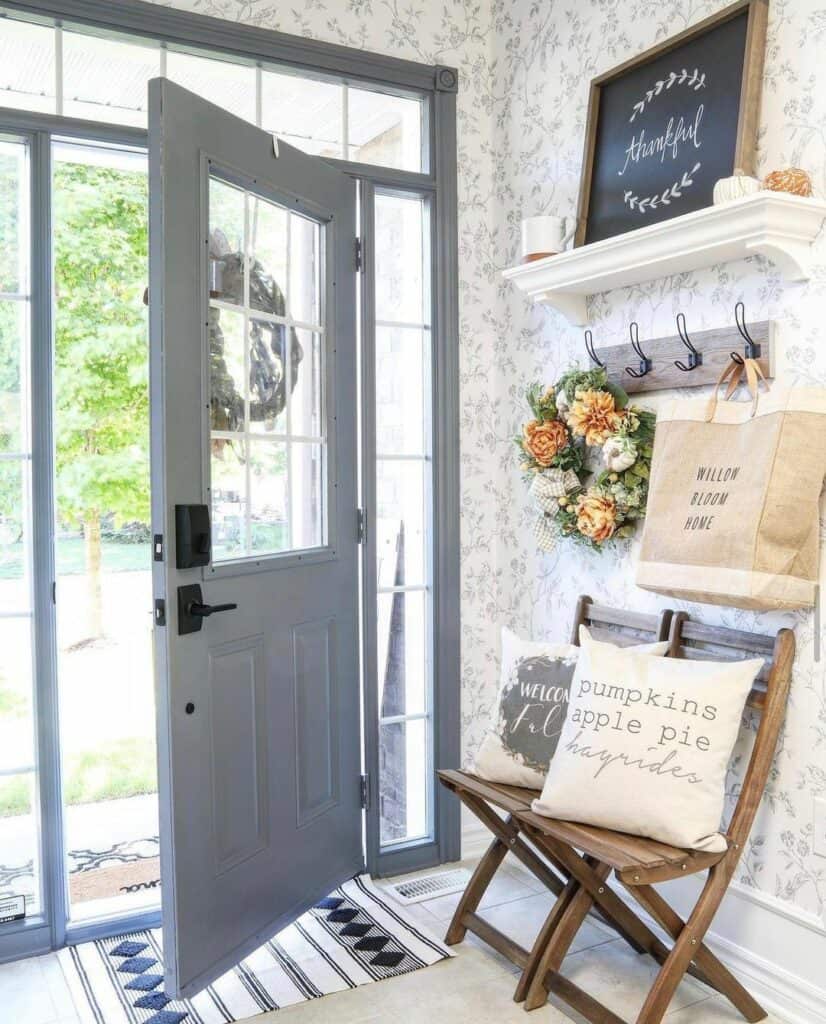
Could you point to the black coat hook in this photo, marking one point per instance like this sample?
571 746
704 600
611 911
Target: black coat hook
752 349
695 358
589 346
646 366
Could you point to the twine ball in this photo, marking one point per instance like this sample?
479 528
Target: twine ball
793 180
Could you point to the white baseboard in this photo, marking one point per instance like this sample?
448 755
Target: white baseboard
775 948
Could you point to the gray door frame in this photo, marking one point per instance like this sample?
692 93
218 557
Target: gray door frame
437 86
439 194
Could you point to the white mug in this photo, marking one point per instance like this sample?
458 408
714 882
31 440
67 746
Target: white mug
545 236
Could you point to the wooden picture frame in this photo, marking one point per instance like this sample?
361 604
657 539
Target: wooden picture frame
755 13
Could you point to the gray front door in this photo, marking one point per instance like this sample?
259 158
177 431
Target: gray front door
253 382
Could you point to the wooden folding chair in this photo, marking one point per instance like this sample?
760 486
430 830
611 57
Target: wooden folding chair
640 863
486 799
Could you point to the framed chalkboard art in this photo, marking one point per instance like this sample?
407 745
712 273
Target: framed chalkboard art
665 126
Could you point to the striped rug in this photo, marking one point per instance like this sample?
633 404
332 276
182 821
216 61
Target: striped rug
353 937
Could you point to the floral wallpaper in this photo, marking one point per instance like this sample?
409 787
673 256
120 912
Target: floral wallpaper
525 66
547 54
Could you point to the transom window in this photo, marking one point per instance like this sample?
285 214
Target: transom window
71 71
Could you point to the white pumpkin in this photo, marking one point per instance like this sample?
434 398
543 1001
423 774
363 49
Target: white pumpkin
738 185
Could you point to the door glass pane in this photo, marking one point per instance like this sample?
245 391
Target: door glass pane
402 653
268 251
402 373
306 399
305 270
106 79
269 473
230 526
269 526
27 66
384 130
403 517
13 218
303 112
401 522
19 839
13 374
103 539
227 85
19 804
400 267
403 762
15 537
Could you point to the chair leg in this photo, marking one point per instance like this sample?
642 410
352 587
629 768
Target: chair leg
475 890
569 922
542 939
686 947
709 967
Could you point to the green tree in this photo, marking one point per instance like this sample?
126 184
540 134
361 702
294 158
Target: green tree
101 367
12 171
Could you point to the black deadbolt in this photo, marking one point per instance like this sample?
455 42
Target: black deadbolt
189 708
192 536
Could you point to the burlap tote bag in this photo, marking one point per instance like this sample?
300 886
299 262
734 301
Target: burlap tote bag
734 492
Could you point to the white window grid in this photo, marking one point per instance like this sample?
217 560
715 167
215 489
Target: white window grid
249 314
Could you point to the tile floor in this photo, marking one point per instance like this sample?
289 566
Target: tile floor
475 987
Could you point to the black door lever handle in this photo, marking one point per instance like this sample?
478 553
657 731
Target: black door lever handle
203 611
192 610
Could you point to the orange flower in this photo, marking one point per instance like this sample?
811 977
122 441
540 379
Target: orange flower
594 416
543 440
596 517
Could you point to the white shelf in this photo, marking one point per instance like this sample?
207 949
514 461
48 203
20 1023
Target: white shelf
773 224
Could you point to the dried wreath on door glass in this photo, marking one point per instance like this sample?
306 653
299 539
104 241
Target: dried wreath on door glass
580 420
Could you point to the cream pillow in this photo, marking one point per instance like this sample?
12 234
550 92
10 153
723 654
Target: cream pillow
646 745
530 710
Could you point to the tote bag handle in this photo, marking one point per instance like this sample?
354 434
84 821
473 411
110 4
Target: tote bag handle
733 373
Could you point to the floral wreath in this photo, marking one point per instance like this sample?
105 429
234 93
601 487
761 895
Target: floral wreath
582 412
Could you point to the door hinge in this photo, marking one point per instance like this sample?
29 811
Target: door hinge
359 254
361 525
160 611
365 792
157 547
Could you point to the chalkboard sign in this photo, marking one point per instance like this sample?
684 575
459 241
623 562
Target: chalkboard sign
664 127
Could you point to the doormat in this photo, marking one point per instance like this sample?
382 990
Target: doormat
352 937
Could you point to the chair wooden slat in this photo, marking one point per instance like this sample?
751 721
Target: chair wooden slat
608 636
628 855
723 636
640 621
629 627
508 798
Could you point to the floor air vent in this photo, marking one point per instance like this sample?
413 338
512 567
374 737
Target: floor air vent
428 887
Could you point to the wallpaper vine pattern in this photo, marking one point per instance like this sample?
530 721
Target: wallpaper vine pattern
550 54
524 69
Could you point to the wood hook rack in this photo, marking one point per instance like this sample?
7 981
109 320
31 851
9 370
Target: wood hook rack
715 346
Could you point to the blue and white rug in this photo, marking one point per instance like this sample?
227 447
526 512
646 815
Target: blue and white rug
353 937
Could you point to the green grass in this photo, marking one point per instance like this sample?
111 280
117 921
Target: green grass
120 557
71 558
12 702
111 771
15 796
